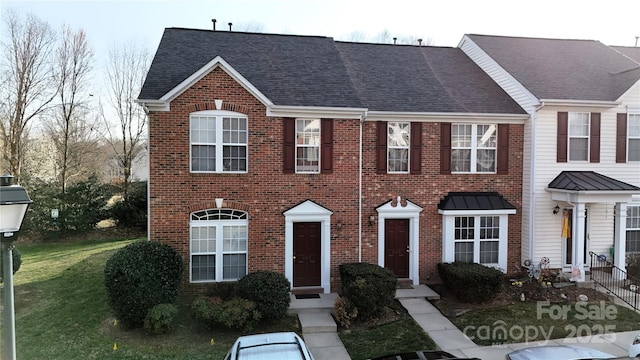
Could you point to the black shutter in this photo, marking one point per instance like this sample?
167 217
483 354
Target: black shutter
445 148
594 138
326 147
289 145
503 149
621 138
381 147
562 136
415 152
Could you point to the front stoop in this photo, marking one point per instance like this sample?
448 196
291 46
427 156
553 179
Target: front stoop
317 322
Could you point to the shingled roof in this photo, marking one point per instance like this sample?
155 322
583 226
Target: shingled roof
563 69
295 70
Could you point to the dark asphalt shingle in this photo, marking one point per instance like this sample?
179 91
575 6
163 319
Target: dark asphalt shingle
474 201
317 71
562 69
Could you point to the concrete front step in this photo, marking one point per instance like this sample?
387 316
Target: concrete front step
317 322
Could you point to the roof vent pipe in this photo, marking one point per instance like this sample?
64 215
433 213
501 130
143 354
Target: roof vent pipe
214 24
230 26
419 42
394 40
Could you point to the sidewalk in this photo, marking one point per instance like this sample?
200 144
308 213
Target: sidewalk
320 331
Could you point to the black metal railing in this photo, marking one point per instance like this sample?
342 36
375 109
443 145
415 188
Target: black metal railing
615 280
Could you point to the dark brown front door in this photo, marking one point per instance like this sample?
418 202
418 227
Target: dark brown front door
306 254
396 246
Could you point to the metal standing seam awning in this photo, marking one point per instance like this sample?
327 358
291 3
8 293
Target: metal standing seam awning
590 187
475 201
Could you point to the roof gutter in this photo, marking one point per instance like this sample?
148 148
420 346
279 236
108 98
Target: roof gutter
440 116
315 111
566 102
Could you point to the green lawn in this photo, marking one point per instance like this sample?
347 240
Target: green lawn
62 312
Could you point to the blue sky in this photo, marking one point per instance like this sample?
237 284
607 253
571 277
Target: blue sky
614 22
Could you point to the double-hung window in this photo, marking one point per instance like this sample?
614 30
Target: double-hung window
474 148
633 229
579 136
308 146
218 245
633 137
218 142
477 239
398 143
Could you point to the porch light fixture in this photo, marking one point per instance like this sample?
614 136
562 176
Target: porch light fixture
372 219
339 225
14 202
556 210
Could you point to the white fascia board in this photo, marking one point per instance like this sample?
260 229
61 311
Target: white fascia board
440 117
163 104
588 103
514 88
315 112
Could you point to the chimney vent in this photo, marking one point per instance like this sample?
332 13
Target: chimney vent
394 40
419 42
214 24
230 24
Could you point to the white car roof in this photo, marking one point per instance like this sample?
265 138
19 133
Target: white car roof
565 352
282 345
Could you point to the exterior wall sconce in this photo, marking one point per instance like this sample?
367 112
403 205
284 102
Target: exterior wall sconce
372 220
556 210
339 225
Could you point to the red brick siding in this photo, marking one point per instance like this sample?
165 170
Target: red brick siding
265 192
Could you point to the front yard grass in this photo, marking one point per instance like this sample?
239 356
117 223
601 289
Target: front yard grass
532 321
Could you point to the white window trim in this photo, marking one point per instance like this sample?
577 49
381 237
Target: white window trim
218 115
318 146
408 147
629 137
219 253
473 166
570 136
627 228
448 235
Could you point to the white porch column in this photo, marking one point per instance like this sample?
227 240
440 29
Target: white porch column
578 235
619 237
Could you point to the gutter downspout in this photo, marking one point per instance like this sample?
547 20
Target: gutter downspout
532 180
146 112
362 118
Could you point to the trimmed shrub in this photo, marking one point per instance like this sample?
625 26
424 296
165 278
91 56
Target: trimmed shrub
471 282
140 276
159 319
236 313
225 290
131 212
369 287
344 311
269 291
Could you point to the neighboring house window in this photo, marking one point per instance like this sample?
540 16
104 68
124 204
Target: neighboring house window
399 147
473 148
398 137
219 240
477 239
633 229
633 146
218 142
578 137
307 146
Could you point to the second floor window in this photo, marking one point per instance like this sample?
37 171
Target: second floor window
473 148
398 141
218 142
578 136
307 146
633 147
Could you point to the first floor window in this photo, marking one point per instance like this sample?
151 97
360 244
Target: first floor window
633 229
476 239
474 148
219 240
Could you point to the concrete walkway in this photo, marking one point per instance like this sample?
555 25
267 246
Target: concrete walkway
320 330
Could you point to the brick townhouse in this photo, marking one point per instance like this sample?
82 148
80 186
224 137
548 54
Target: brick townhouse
299 153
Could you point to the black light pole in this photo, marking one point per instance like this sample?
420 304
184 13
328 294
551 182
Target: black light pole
14 202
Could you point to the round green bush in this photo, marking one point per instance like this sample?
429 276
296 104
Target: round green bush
140 276
269 291
159 319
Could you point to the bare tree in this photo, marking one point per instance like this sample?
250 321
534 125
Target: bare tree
125 73
70 126
26 90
